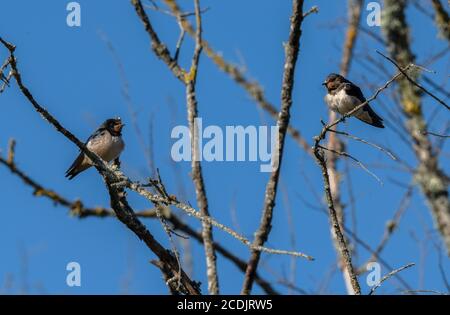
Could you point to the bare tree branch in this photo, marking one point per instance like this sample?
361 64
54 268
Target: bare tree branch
358 162
118 179
390 274
253 88
78 210
425 291
354 7
118 201
435 134
334 142
159 48
344 252
189 80
197 176
442 19
320 157
386 151
428 175
412 81
291 51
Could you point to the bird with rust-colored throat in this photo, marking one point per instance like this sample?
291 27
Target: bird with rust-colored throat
106 142
343 96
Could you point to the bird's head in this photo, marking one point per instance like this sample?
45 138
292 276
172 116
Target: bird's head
333 81
114 126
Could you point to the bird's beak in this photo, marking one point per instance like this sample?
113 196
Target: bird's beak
324 83
118 127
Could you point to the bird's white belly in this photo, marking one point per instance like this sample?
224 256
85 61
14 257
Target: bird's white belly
107 147
341 102
115 148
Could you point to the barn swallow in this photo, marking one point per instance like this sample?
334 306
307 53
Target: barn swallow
106 142
343 96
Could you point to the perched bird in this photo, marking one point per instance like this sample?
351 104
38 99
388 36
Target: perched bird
343 96
106 142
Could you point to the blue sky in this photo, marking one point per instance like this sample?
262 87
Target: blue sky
76 77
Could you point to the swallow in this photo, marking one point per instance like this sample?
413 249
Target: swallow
106 142
343 96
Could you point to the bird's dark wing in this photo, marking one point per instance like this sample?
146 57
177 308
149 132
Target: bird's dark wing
367 114
355 91
98 133
78 166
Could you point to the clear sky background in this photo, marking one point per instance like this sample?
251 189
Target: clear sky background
76 77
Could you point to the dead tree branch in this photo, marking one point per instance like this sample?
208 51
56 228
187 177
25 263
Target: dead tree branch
334 142
412 81
159 48
253 88
435 134
441 19
428 175
291 51
390 274
118 200
344 252
197 175
120 180
320 157
189 80
78 210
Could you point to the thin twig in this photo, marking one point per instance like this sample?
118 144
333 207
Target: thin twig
412 81
192 212
355 160
159 48
387 152
442 19
155 7
425 291
390 274
435 134
314 9
438 248
179 42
